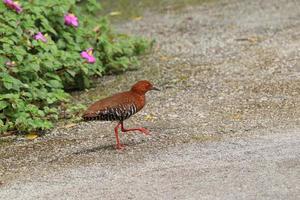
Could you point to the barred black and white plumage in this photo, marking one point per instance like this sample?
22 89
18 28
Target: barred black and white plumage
118 113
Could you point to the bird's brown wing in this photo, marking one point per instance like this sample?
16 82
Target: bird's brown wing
117 107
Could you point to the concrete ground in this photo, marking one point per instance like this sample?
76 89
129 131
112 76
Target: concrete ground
257 167
225 126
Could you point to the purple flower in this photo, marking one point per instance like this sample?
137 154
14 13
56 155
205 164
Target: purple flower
71 20
13 5
88 55
40 36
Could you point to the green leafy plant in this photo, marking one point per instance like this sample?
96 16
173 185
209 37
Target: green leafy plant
40 58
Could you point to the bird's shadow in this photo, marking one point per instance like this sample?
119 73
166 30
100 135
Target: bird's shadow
108 147
95 149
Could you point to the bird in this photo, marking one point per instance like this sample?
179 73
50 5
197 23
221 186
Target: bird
120 107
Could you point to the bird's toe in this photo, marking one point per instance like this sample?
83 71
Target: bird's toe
120 147
145 131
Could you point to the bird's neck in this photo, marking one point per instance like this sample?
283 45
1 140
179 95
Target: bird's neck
140 99
140 95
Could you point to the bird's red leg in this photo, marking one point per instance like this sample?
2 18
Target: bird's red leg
119 145
143 130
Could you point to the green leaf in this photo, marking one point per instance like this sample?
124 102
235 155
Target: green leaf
71 72
55 84
10 82
7 40
3 104
9 96
47 26
32 89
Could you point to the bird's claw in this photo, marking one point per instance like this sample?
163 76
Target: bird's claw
120 147
145 131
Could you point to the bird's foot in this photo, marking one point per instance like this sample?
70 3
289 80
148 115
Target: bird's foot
120 147
144 130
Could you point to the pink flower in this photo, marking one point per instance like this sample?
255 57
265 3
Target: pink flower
13 5
88 55
40 36
10 63
71 20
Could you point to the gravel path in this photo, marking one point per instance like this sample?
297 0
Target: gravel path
225 126
256 167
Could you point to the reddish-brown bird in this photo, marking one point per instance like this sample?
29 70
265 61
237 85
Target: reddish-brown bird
120 107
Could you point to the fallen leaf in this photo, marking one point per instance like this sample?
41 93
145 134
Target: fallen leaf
164 58
115 13
69 125
149 117
252 39
183 78
137 18
31 136
96 29
236 117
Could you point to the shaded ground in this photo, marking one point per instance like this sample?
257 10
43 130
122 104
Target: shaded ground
226 124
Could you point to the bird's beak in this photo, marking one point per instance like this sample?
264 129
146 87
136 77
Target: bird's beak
155 88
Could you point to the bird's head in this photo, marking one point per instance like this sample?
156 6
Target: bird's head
141 87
